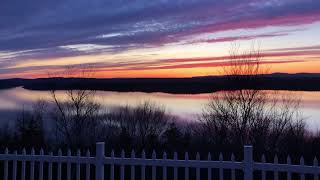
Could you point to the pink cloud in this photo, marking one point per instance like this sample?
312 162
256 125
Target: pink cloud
189 65
236 38
315 47
256 22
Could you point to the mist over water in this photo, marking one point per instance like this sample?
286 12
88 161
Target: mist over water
186 107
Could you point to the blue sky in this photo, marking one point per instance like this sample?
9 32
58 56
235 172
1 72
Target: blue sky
158 38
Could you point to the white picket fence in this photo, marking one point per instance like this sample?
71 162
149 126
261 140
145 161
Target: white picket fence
99 162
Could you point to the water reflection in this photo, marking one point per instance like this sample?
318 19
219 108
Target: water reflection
185 106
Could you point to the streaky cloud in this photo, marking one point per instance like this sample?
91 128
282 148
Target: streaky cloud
47 29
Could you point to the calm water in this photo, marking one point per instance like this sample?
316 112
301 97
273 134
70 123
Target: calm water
186 107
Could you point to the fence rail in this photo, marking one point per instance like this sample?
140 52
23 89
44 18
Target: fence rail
48 166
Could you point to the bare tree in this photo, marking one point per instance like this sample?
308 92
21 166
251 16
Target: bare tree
145 121
75 112
246 114
29 124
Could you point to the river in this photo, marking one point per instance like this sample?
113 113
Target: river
187 107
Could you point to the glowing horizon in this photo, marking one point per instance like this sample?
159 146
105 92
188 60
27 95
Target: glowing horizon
155 38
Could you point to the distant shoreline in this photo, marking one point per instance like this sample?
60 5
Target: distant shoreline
195 85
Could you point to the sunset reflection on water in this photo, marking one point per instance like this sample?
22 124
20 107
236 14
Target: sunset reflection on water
186 107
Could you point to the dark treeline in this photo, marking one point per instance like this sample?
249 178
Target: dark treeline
306 82
79 124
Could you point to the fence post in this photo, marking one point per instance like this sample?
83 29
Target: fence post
99 161
248 163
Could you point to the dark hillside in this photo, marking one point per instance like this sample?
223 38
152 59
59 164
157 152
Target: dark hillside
278 81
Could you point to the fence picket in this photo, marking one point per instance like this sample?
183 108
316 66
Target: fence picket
289 163
143 167
69 165
220 169
14 171
315 163
88 173
276 173
263 173
198 169
59 165
41 165
50 168
248 163
32 165
164 168
154 170
112 166
302 175
209 169
175 169
99 160
5 173
186 169
133 172
78 169
122 166
233 171
23 166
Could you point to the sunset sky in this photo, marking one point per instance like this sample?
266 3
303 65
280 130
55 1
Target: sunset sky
155 38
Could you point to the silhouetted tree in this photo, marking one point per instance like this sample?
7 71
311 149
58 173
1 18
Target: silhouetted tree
75 112
249 115
29 125
144 123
